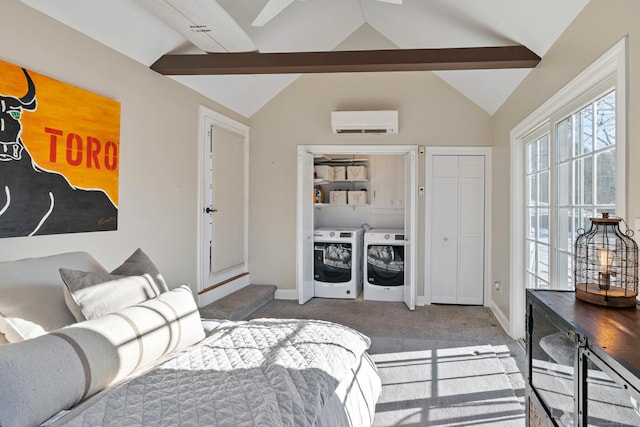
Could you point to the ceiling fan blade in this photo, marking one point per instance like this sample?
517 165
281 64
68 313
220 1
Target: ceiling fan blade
270 11
392 1
205 24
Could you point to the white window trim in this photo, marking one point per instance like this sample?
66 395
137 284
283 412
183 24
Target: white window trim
614 61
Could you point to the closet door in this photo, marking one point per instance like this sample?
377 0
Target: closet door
305 225
471 230
457 230
444 230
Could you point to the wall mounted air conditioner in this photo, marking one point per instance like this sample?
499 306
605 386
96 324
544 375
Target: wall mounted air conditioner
380 121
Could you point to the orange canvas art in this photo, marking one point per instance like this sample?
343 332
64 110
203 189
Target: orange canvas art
59 156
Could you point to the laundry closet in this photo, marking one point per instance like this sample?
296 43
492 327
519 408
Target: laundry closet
356 222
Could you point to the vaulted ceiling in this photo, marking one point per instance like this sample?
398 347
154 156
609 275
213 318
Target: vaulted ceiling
146 30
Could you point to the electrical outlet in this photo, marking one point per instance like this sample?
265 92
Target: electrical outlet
498 286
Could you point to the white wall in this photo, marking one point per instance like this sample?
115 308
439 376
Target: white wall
158 145
598 27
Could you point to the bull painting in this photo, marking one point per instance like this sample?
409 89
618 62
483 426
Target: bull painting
34 201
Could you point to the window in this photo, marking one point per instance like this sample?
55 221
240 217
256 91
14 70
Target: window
591 107
571 176
537 210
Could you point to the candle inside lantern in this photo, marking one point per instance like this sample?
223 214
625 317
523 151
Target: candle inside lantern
605 259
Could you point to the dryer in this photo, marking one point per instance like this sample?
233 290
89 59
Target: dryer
337 263
384 265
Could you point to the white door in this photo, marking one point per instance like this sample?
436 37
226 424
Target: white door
457 229
305 225
444 229
225 186
471 230
410 228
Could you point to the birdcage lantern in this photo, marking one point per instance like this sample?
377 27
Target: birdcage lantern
606 264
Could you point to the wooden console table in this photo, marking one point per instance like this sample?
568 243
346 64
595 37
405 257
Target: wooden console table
583 362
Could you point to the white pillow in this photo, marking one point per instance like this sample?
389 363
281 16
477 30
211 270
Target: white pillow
31 298
92 295
44 375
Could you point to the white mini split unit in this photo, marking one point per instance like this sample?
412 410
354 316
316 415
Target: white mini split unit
380 121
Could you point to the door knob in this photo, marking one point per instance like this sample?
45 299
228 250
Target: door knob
210 210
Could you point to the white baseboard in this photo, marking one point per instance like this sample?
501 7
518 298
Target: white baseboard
504 322
287 294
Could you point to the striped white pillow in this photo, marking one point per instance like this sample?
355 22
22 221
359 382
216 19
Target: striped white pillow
44 375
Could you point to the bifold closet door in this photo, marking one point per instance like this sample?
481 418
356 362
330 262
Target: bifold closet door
457 230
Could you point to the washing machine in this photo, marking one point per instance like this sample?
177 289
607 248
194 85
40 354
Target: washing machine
384 265
337 267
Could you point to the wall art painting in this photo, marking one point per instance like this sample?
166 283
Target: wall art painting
59 156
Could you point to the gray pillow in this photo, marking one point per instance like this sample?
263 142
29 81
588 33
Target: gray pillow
91 295
139 263
39 377
42 376
31 301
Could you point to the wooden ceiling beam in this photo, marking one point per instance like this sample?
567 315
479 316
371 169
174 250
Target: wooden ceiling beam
470 58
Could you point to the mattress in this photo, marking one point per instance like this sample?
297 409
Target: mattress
263 372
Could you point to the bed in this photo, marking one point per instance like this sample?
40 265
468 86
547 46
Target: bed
156 362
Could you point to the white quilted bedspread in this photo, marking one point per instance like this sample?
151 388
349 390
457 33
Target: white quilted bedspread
257 373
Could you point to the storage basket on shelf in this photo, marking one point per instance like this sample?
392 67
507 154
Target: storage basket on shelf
339 173
357 173
337 197
324 172
357 197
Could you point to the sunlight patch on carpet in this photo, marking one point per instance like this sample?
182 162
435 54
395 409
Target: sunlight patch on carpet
459 386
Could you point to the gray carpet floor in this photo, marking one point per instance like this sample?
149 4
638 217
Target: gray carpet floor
441 365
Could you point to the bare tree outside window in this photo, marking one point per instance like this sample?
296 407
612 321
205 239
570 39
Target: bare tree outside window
566 186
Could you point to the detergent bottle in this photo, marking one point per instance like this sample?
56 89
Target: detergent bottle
317 194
